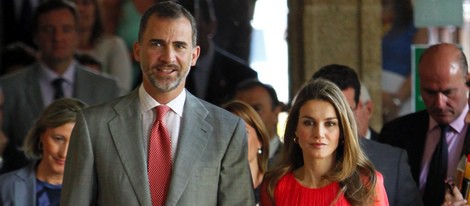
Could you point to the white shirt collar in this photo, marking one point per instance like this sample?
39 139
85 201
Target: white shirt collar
148 103
49 75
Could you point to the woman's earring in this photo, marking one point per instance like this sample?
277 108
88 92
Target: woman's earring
295 139
260 151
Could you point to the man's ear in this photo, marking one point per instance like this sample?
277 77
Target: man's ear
278 109
195 55
468 80
136 51
369 108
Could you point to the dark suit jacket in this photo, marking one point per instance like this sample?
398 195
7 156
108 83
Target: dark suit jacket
276 159
373 134
409 132
107 157
226 72
19 187
392 163
14 29
23 104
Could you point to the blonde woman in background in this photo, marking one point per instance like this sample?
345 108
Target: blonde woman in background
258 141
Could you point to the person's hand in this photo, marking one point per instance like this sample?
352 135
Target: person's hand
453 196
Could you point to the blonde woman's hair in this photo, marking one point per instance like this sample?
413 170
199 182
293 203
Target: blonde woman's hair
251 117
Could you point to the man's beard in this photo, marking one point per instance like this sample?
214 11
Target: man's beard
167 84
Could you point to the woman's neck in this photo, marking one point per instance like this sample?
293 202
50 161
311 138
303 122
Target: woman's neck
256 174
312 173
44 174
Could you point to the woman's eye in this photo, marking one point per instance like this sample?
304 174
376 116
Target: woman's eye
308 122
330 124
57 138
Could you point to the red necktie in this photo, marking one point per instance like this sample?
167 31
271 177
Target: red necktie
159 158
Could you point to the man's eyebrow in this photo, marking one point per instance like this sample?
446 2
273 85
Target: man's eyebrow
156 41
180 42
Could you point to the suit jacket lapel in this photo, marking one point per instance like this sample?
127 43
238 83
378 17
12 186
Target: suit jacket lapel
126 131
81 89
194 135
417 136
466 144
25 184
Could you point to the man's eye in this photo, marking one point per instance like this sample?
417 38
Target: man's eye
180 46
157 44
449 92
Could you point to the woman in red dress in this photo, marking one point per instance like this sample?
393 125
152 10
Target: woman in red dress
323 163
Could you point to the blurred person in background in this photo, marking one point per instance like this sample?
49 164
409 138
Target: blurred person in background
55 74
16 56
46 144
263 98
108 49
258 141
363 113
217 72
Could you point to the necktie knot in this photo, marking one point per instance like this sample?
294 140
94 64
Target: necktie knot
58 81
161 111
444 128
59 91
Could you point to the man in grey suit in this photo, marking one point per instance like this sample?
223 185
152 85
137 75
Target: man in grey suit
392 162
28 91
108 153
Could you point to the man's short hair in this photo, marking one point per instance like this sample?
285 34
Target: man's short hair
343 76
252 83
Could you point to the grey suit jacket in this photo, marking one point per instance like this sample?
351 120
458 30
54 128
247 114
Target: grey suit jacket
23 104
107 157
18 187
392 162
